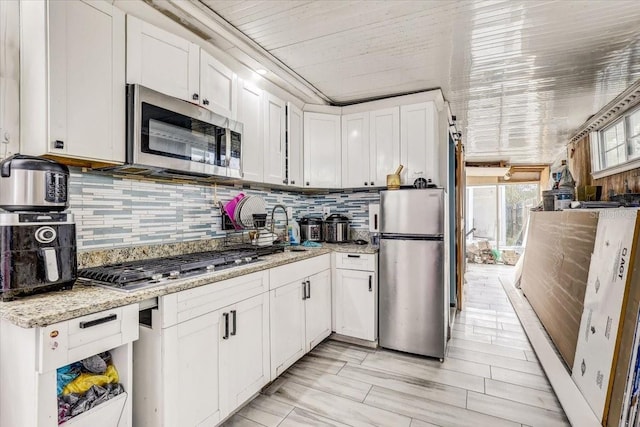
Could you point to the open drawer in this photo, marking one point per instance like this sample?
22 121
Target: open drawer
107 414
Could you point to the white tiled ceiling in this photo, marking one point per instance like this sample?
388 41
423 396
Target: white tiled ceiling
521 76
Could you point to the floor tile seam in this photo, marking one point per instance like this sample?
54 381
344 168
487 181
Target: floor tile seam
412 384
534 408
292 378
551 393
246 418
524 358
293 407
541 374
430 368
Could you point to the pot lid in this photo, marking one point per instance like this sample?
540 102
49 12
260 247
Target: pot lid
24 162
337 218
311 220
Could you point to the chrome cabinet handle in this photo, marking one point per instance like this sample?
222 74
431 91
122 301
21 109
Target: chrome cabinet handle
233 322
226 326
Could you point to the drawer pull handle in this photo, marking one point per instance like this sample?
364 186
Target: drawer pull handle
304 291
370 283
308 289
353 256
233 322
226 326
90 323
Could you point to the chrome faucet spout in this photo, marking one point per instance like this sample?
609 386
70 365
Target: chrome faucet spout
284 209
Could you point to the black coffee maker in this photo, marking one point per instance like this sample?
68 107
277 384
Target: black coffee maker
37 238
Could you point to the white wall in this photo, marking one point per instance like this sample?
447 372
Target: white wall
9 78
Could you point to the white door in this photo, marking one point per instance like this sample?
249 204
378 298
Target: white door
287 326
322 150
318 309
218 87
419 142
244 356
191 371
355 303
250 115
162 61
294 134
274 144
385 144
355 150
87 96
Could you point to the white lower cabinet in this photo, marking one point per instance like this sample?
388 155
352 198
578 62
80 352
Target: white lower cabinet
204 352
356 296
300 310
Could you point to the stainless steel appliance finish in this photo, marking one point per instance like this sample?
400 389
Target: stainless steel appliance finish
166 134
29 183
142 274
335 228
413 300
38 253
311 229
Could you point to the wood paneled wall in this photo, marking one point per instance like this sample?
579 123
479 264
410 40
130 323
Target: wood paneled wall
579 155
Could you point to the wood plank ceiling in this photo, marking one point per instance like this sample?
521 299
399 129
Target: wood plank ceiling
521 76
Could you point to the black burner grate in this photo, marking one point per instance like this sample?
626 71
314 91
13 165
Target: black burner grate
153 269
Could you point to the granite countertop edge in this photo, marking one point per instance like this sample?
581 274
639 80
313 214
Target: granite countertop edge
54 307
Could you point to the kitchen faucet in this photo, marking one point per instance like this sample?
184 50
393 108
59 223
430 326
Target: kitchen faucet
286 230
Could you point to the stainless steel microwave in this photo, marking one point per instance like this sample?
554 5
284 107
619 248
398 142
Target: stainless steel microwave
169 136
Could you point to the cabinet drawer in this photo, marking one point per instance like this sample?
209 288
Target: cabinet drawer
76 339
185 305
353 261
288 273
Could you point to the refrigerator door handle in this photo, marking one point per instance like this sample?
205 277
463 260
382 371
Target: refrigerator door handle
370 283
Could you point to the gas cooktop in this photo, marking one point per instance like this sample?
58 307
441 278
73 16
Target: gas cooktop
136 275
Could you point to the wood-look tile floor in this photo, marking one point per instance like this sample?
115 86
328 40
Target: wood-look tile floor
490 377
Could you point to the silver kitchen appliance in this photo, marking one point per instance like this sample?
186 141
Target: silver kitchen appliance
29 183
167 136
336 228
311 229
413 297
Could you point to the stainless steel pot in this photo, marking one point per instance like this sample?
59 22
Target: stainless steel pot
311 229
336 228
29 183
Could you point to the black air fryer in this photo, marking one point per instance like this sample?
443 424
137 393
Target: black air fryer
37 240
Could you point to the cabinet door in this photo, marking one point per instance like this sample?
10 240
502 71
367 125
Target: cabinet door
274 129
244 356
419 131
294 144
318 309
355 150
322 150
191 356
86 74
385 144
250 115
218 87
355 303
162 61
287 326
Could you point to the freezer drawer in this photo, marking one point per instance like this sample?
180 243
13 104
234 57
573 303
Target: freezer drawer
412 296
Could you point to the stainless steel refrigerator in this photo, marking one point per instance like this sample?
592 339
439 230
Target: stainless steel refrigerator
413 301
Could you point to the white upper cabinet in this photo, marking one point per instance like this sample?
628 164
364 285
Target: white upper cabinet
274 139
162 61
294 146
322 150
250 115
72 90
218 86
169 64
384 144
355 150
419 142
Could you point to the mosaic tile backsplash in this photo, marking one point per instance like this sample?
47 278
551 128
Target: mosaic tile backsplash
115 212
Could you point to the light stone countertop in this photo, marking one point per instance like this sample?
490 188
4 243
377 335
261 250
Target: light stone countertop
53 307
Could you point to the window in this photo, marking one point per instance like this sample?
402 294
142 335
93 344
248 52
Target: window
617 147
